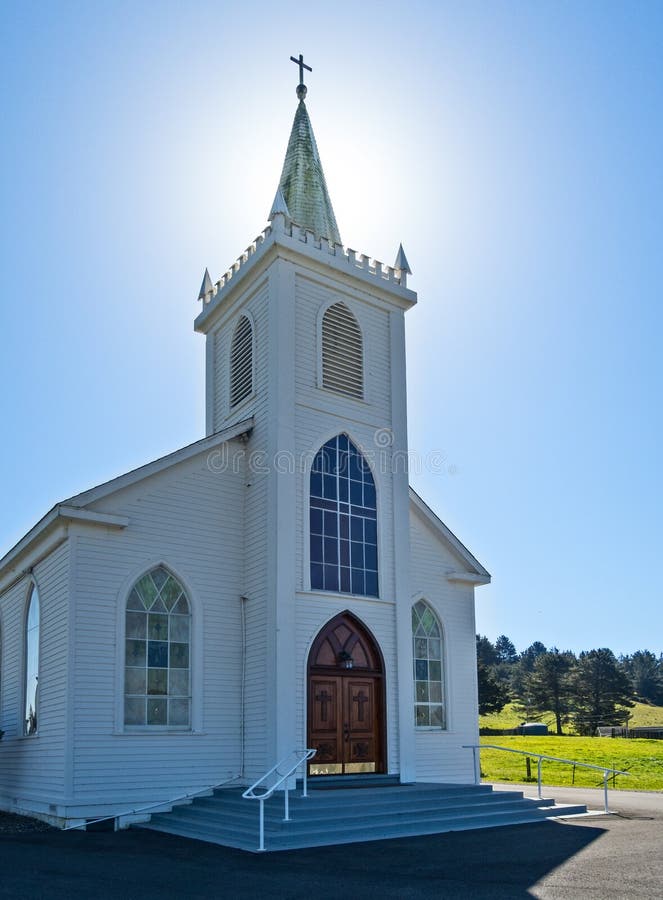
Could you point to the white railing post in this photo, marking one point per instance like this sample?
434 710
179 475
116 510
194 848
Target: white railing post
304 794
538 774
286 818
261 845
606 774
477 769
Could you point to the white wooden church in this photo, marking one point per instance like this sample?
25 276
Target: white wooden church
273 586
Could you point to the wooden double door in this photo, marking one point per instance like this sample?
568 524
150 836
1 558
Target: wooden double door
345 703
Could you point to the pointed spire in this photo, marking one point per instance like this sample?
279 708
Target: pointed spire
302 182
206 286
401 261
279 206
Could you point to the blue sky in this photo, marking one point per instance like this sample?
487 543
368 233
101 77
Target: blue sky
514 148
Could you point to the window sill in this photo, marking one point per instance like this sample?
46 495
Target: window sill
335 595
431 729
158 731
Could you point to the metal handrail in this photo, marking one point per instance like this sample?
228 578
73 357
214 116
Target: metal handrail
540 757
300 756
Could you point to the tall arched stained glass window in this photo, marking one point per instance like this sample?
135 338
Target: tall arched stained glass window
344 543
157 683
428 667
31 663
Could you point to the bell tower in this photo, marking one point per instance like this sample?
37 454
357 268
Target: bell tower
305 338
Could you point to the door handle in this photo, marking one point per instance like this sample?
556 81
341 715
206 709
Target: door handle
346 732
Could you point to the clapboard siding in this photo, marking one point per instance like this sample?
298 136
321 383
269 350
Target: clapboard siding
189 518
440 756
255 547
33 768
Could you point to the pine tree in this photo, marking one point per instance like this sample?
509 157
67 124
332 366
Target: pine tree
493 696
550 686
601 691
645 673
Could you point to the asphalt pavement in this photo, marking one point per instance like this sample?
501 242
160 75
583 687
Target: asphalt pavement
596 857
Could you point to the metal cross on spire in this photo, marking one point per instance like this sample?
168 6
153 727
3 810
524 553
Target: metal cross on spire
301 87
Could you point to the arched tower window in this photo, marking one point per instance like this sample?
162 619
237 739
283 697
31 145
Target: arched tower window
428 667
31 662
157 680
344 551
342 352
241 362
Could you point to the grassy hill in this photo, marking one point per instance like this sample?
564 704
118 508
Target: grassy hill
642 714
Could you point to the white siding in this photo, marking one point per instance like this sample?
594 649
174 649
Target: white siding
188 518
32 771
440 756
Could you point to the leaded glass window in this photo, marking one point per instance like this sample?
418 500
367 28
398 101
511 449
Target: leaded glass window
31 663
157 674
343 521
428 667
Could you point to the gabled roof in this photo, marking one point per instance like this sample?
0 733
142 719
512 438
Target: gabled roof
475 572
303 184
71 509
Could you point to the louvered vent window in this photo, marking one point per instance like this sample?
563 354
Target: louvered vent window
342 352
241 362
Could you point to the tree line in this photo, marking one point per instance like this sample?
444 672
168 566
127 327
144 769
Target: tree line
591 689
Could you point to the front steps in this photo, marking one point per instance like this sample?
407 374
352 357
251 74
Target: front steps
352 814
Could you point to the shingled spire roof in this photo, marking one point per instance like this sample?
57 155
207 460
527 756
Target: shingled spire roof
303 183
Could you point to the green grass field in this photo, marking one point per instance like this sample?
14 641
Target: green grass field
642 758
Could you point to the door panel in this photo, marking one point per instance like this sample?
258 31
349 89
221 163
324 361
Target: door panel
343 724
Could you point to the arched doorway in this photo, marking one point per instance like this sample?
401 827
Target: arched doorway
346 704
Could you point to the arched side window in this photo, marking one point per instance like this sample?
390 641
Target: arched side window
31 684
429 709
241 362
157 679
342 352
344 543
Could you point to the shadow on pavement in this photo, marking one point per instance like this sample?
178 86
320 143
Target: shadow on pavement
500 862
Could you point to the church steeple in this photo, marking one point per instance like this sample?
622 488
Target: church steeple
302 182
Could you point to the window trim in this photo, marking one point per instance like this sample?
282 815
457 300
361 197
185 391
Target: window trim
195 655
351 307
446 727
232 330
306 530
33 588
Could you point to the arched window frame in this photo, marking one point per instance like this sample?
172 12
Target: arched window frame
425 687
194 661
320 350
30 724
244 315
373 538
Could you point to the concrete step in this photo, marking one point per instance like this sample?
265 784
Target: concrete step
316 822
353 814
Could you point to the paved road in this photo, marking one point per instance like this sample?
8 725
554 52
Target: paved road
602 857
627 803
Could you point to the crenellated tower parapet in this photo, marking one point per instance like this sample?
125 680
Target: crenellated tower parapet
289 235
